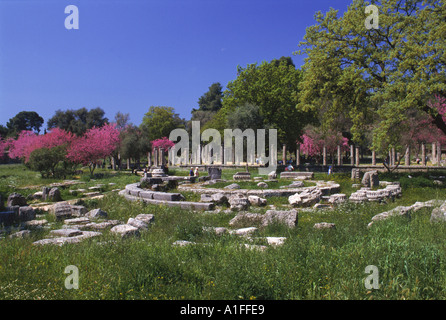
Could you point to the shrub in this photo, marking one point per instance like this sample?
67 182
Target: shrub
50 162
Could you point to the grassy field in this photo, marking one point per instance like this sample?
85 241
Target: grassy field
410 253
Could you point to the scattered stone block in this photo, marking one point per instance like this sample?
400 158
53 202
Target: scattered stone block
20 234
219 198
297 175
78 211
54 195
238 202
57 241
76 221
102 225
146 217
66 232
96 213
262 185
35 223
256 201
244 231
296 184
289 218
324 225
214 173
62 210
356 174
337 198
88 234
439 214
125 230
246 219
306 198
16 199
276 241
242 176
206 198
232 186
26 214
370 179
139 224
272 175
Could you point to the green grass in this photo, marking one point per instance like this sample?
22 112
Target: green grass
410 254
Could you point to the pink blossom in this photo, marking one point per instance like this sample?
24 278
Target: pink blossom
313 142
162 143
28 141
94 145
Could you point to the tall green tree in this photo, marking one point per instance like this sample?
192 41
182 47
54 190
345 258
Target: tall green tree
245 117
159 121
375 78
211 100
208 105
78 121
133 143
272 86
24 120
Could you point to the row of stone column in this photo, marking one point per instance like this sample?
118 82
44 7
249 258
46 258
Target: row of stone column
156 158
393 157
205 155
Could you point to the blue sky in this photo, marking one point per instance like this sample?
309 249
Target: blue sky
129 55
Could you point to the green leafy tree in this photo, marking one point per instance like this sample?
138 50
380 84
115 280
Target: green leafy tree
24 120
133 143
272 86
211 100
375 78
159 121
78 121
50 162
245 117
208 105
122 120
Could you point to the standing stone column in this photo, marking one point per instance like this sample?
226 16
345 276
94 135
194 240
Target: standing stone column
222 154
438 153
357 156
284 154
233 154
155 157
352 154
204 154
324 156
339 156
149 159
373 158
298 155
393 156
423 154
172 155
434 153
407 157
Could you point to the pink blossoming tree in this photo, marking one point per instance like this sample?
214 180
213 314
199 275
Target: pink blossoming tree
162 143
96 144
28 141
313 141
